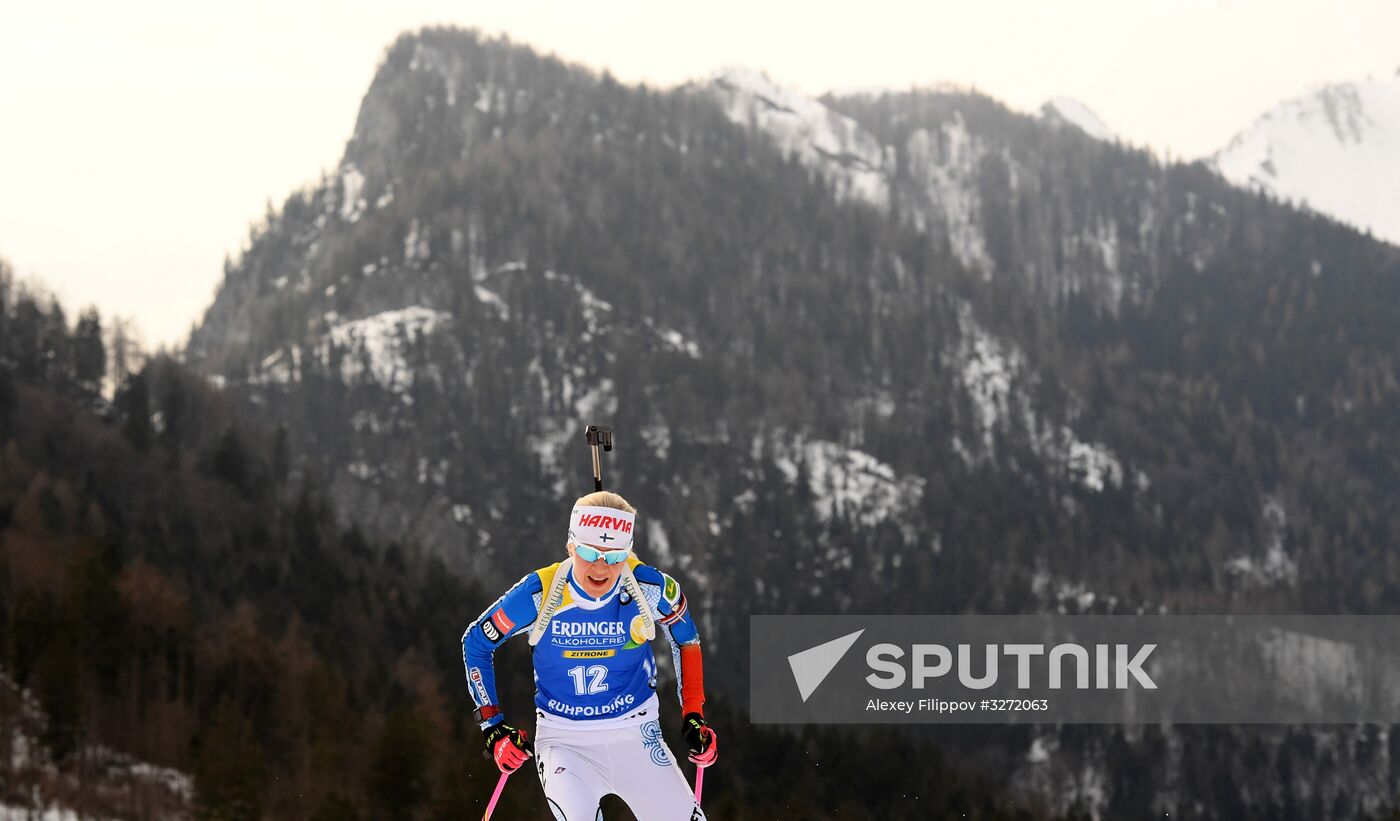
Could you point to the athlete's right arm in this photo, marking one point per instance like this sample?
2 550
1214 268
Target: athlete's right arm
511 614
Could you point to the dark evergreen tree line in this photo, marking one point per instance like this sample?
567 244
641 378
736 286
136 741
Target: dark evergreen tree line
166 590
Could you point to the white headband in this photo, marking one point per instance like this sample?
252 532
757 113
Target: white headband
603 527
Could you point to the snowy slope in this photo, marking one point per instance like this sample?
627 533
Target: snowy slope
1337 149
1072 112
850 483
802 125
376 349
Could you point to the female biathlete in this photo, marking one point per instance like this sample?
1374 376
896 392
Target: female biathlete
590 618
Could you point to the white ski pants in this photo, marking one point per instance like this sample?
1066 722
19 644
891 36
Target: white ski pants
579 762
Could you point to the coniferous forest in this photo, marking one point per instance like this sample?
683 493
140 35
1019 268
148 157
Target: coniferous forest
170 594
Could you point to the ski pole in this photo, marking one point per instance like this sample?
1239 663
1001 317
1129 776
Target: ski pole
699 783
495 796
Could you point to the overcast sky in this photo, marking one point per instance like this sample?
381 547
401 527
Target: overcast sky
138 140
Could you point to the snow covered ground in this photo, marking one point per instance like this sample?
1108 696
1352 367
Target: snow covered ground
48 786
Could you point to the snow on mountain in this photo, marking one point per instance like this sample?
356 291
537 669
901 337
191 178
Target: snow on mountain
997 378
352 186
1275 566
379 344
939 178
803 125
848 482
1071 111
1336 149
945 164
376 348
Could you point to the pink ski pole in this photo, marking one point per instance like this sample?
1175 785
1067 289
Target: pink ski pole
699 783
495 796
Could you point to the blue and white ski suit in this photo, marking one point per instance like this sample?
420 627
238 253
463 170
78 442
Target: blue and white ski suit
598 728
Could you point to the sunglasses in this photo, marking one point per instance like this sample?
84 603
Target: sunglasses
593 554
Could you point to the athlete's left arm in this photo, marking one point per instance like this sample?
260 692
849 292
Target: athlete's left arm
674 617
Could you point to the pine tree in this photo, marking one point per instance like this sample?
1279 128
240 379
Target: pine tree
281 458
9 399
175 409
26 334
136 407
399 780
230 769
231 462
6 287
57 679
56 349
89 352
124 351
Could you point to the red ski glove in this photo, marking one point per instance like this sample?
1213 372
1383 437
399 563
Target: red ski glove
509 746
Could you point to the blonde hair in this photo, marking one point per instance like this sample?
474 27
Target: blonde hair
605 498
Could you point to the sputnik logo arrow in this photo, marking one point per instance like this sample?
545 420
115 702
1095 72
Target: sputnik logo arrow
811 667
